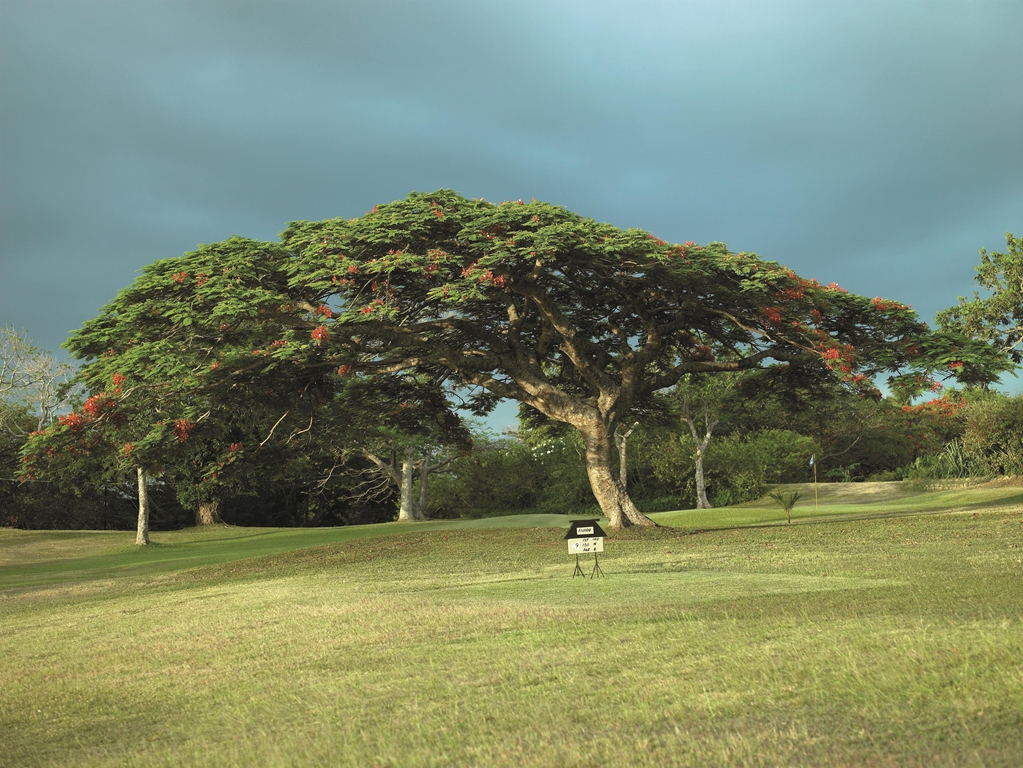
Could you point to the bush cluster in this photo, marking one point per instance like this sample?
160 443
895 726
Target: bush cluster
509 476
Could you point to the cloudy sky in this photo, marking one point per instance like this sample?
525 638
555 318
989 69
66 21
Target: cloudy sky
875 144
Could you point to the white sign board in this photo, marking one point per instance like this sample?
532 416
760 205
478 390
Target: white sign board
585 545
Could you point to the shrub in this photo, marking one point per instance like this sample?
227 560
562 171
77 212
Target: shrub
508 476
994 434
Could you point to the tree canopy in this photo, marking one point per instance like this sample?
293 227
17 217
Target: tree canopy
997 317
578 319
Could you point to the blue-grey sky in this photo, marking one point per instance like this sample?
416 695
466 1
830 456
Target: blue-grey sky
875 144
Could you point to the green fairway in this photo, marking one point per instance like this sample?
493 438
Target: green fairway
47 557
881 641
837 500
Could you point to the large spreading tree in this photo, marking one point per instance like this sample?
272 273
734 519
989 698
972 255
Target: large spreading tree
580 320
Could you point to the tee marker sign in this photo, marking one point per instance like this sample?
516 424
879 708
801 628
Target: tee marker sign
584 537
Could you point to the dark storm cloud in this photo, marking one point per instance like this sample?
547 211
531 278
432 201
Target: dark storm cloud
875 144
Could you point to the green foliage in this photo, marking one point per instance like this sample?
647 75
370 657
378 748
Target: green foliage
708 400
737 466
987 440
953 461
510 476
786 501
855 434
496 479
777 455
994 434
742 466
998 317
435 272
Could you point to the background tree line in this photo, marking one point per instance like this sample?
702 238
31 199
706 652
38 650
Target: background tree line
970 433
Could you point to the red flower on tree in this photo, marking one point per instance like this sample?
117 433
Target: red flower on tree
321 334
72 421
96 404
183 428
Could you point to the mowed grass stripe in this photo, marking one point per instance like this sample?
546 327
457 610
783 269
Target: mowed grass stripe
30 558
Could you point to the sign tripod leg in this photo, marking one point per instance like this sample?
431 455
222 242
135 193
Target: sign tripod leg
596 567
578 571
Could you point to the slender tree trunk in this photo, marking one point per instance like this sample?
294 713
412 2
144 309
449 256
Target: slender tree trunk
612 497
424 478
408 509
208 513
622 441
702 502
142 534
701 446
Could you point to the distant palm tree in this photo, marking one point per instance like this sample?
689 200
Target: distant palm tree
787 502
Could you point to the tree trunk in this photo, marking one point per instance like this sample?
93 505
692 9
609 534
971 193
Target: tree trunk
208 513
612 497
142 534
702 502
409 508
622 441
424 478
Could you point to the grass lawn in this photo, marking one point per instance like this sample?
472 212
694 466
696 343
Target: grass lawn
835 641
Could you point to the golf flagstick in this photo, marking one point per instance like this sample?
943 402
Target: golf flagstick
813 464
